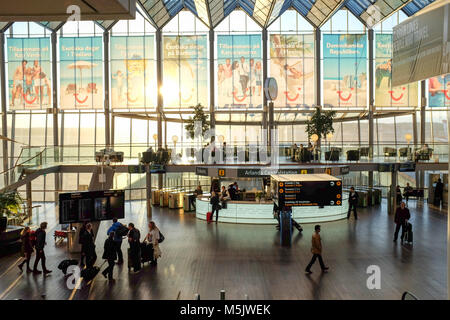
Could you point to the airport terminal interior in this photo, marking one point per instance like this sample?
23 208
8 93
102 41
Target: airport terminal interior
236 126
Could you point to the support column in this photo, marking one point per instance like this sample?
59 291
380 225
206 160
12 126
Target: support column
448 220
415 143
423 103
265 116
160 104
371 102
317 55
57 150
148 180
106 77
4 109
212 75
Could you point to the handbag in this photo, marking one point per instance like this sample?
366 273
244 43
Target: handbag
161 237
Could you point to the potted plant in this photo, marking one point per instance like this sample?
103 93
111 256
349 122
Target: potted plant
320 123
10 203
199 116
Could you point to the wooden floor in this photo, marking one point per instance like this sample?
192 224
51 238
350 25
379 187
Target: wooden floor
247 260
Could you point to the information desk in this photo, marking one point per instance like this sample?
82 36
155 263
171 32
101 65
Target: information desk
253 212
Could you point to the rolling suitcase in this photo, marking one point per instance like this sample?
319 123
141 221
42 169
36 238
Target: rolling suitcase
209 216
297 225
409 233
146 252
89 273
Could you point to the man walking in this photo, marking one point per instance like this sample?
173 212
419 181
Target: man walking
316 250
40 254
134 237
352 203
401 218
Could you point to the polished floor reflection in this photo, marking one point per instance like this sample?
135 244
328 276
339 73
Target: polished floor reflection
247 260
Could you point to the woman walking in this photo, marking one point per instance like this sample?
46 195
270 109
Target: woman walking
27 248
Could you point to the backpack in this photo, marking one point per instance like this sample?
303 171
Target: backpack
122 231
161 237
33 238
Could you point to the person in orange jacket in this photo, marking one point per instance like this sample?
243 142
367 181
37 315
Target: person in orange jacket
316 250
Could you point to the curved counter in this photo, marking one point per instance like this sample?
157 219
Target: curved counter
262 212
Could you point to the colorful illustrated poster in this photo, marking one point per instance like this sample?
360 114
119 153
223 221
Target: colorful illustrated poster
133 76
81 73
185 76
29 73
345 70
439 91
292 65
385 94
239 72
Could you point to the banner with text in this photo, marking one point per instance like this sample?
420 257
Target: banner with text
185 76
385 94
292 65
439 91
81 73
133 76
420 46
239 72
29 73
345 70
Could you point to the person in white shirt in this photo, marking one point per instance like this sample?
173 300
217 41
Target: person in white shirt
244 71
153 239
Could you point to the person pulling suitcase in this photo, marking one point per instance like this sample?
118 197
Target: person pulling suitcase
134 253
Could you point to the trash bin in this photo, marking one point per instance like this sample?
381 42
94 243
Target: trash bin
186 203
72 242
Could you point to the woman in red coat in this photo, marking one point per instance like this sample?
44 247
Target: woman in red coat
27 248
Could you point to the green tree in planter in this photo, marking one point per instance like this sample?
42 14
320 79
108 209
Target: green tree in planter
321 123
10 203
200 116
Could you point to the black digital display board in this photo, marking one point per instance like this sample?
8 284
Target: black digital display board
90 206
309 193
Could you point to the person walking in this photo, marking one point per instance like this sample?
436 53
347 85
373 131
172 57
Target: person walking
89 246
27 248
352 203
398 195
117 238
80 241
215 202
153 238
134 237
407 191
401 218
110 255
316 250
40 244
438 192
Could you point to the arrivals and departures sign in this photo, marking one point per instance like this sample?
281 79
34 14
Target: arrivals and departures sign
309 193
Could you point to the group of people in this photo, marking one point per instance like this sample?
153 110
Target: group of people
240 78
220 197
32 241
302 153
29 81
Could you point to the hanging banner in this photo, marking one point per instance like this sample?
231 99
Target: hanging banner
81 73
185 76
29 73
439 91
133 76
292 65
345 70
385 94
421 46
239 72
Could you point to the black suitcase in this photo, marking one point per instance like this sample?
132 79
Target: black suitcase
146 252
89 273
66 264
409 233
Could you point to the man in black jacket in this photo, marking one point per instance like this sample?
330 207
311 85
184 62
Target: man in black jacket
352 203
110 255
134 237
438 192
89 246
40 244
